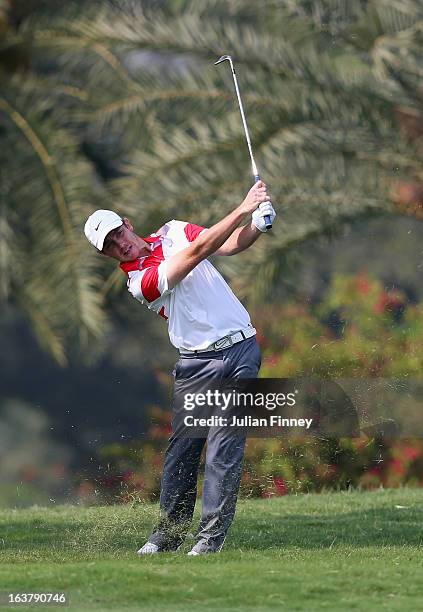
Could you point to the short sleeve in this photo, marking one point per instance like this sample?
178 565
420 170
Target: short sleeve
149 284
192 231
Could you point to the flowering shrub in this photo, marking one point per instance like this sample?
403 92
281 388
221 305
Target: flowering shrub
272 466
276 467
360 329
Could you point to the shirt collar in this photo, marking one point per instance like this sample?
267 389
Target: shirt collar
130 266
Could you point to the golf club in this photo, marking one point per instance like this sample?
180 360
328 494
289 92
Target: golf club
244 123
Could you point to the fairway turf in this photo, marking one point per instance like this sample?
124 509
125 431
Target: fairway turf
330 551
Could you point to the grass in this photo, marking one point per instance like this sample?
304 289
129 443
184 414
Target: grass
331 551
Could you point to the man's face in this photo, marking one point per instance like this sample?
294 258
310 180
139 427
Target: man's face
123 244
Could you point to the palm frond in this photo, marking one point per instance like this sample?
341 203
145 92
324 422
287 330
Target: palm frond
50 182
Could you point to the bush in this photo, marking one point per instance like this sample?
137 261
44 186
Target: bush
360 329
272 467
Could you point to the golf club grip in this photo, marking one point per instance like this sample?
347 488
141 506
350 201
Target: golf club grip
267 218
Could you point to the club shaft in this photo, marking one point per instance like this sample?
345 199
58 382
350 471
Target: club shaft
244 122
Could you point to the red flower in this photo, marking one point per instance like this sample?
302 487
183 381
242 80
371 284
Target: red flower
389 302
362 283
375 471
380 305
280 486
271 360
127 476
411 453
397 466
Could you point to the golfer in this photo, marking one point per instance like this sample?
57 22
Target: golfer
169 272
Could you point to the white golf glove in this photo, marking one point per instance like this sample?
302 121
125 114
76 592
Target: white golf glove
265 209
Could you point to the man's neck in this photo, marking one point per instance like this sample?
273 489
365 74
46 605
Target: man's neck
146 248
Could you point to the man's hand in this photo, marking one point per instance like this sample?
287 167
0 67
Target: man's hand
207 243
256 195
258 217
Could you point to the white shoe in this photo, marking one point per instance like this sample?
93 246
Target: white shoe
202 548
148 549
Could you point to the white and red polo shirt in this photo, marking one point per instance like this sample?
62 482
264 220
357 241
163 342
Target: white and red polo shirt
201 308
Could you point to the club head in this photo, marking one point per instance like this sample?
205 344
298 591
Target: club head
223 58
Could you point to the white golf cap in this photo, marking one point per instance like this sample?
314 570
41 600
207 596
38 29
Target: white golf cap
99 224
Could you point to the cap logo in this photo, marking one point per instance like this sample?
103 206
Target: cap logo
96 228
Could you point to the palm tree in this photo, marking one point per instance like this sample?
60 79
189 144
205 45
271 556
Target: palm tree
46 187
325 85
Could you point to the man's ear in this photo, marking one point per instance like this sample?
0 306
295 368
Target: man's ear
128 224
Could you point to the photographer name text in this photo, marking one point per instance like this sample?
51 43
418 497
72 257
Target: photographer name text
246 421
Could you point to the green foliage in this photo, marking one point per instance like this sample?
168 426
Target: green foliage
275 467
132 87
272 467
374 332
46 187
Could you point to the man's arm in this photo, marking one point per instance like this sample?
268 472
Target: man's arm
239 240
245 236
210 241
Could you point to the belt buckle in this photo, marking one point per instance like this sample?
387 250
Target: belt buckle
222 343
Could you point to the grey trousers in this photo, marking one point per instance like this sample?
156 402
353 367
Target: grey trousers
224 457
